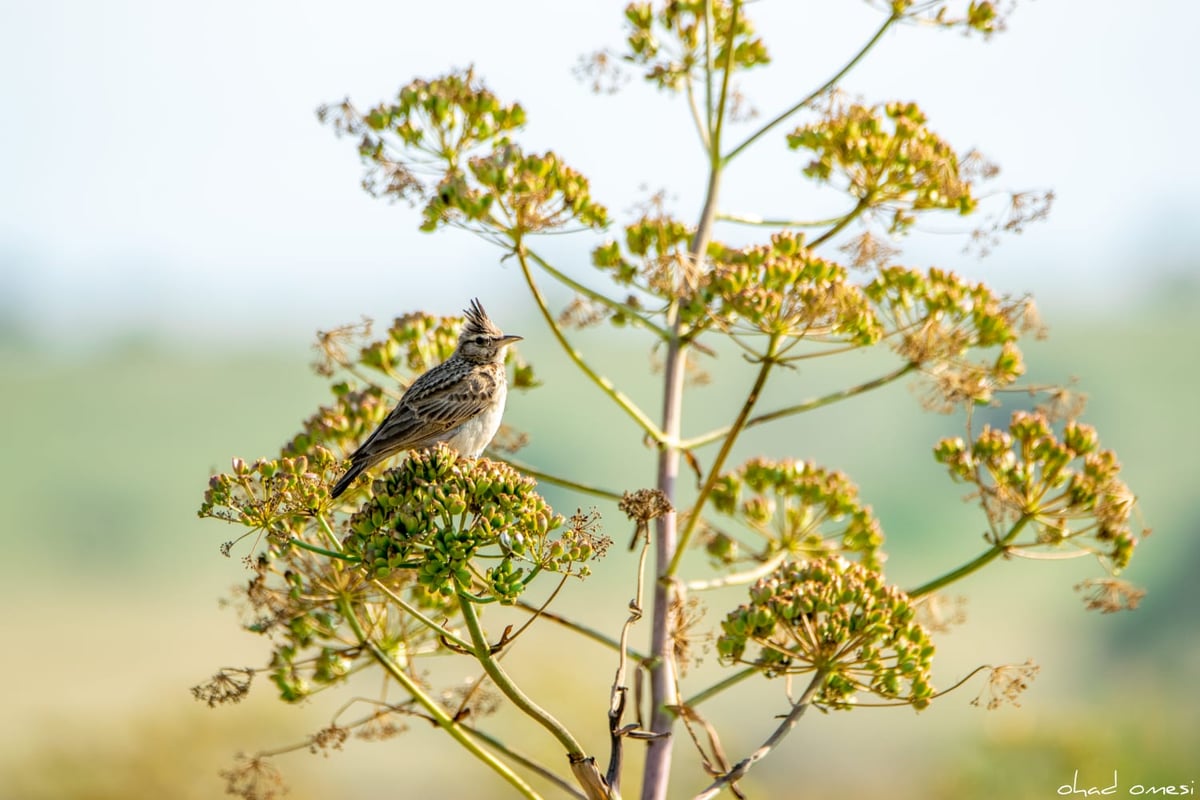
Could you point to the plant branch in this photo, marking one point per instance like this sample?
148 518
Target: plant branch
739 578
566 483
720 686
580 628
862 205
525 761
754 219
604 383
768 361
742 767
482 651
435 710
829 84
599 297
974 564
799 408
441 631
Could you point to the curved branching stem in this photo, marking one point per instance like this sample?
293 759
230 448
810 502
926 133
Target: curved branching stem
739 424
984 558
526 761
862 205
566 483
825 87
739 578
566 280
694 108
312 548
746 764
482 650
409 608
800 408
605 385
435 710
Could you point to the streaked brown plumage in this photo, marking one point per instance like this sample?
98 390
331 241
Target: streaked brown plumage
459 402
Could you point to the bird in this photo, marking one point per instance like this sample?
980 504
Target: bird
458 402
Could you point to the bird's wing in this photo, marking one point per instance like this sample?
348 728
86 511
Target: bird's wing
434 404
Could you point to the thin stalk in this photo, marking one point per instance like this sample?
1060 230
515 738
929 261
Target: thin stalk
435 710
829 84
604 383
583 630
526 762
566 483
599 297
739 578
799 408
772 741
754 219
448 635
974 564
714 471
862 205
720 686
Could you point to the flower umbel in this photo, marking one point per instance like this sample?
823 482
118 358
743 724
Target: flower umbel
839 618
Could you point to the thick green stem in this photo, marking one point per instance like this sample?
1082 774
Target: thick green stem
482 650
974 564
433 708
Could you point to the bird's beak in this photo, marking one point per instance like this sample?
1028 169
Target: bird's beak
510 338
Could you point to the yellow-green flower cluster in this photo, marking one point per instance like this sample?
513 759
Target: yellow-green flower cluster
669 40
839 618
446 517
888 159
275 496
445 144
785 288
1066 487
799 508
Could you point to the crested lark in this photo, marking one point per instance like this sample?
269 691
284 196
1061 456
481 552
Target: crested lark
459 402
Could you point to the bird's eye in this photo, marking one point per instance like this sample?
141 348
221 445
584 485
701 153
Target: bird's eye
480 340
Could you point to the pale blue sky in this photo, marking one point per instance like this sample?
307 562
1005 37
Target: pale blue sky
162 167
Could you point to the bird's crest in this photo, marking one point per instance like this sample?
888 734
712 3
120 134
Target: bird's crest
479 322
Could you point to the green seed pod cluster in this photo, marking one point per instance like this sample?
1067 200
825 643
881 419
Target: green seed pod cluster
444 517
784 288
887 158
271 495
669 40
940 317
840 618
452 122
800 508
1066 486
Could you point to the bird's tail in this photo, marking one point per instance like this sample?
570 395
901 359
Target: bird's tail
356 468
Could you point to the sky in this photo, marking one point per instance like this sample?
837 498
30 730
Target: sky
162 168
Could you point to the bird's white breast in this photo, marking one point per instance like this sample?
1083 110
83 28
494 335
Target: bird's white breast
474 435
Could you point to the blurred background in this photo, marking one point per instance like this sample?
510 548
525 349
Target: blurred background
175 225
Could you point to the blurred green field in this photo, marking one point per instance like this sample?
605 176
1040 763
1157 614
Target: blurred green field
112 583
